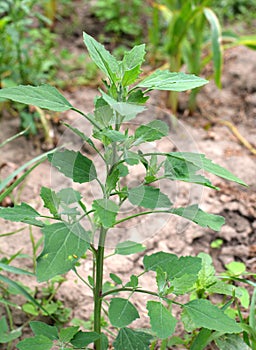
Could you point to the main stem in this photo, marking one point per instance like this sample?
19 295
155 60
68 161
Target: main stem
98 286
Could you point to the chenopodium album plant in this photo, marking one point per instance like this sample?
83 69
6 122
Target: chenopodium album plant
66 240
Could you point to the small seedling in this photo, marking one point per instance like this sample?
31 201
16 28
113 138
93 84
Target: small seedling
66 239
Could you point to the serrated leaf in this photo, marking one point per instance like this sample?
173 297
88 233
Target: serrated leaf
115 278
82 339
152 131
137 96
128 339
148 197
7 336
39 342
21 213
161 320
129 247
41 328
127 110
101 57
200 217
231 342
131 64
200 161
206 276
181 272
74 165
160 260
112 180
122 312
106 211
69 196
180 169
66 334
183 284
64 244
203 313
51 200
166 80
103 113
44 96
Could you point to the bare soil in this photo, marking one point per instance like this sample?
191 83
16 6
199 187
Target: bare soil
236 103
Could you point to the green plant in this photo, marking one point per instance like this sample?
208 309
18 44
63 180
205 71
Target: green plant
66 240
235 10
120 17
192 36
24 43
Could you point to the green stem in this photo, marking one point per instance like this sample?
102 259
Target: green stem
140 214
130 289
92 121
98 286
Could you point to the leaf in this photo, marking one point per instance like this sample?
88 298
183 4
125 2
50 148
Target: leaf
74 165
66 334
82 339
41 328
128 339
64 244
160 260
231 342
7 336
131 64
69 196
148 197
206 276
14 269
103 113
113 135
105 211
206 164
43 96
129 247
201 218
161 320
180 169
39 342
161 280
152 131
181 272
101 57
127 110
50 199
203 313
21 213
134 282
21 290
115 278
81 135
39 160
137 96
112 180
122 312
166 80
216 44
